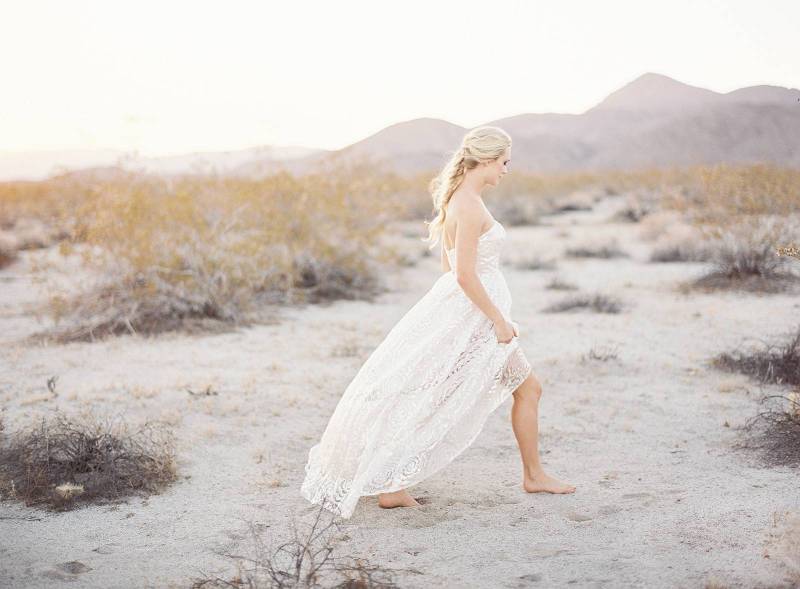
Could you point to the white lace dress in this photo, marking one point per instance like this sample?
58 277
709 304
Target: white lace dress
423 395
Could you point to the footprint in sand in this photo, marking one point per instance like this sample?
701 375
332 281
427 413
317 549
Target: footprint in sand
579 517
642 498
609 509
530 578
66 571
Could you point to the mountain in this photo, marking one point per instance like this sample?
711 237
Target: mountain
654 120
36 165
655 92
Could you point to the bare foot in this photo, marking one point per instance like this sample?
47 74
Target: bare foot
397 499
544 483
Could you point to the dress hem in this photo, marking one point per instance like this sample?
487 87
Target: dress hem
320 488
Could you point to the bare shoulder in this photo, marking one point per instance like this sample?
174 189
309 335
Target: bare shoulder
467 214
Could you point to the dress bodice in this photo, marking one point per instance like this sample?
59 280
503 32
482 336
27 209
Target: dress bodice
489 247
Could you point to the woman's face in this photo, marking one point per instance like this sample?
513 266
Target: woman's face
498 168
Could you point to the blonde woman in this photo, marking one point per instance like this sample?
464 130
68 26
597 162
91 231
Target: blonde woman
425 392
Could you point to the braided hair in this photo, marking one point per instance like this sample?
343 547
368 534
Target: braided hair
478 145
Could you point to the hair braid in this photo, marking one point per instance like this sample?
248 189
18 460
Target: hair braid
479 145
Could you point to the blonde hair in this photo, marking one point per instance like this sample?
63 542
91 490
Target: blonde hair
479 145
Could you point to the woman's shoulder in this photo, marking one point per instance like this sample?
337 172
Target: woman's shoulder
465 204
470 209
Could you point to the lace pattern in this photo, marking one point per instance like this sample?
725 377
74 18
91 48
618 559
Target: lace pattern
422 396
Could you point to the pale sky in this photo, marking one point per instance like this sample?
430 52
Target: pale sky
164 77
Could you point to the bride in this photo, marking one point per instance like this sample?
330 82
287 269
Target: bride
424 394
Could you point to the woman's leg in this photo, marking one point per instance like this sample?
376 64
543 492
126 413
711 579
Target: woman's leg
525 422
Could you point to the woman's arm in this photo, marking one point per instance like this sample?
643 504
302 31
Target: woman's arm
468 233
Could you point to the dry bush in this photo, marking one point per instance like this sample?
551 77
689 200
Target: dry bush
681 252
770 363
747 211
580 200
62 461
637 206
675 239
160 253
308 560
774 431
722 194
604 251
557 283
40 213
8 249
783 542
601 354
535 263
33 200
677 252
518 211
745 255
598 303
522 198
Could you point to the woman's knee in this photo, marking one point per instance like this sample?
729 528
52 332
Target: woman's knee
530 388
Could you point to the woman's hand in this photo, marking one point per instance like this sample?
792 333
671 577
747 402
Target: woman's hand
505 331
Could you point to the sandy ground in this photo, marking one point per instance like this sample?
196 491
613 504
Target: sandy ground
662 499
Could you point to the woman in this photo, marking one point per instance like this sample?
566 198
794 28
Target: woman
423 395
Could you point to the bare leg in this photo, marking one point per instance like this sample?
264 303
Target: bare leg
525 422
396 499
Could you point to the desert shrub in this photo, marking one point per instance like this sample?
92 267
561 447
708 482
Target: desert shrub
518 210
681 252
724 193
159 253
609 250
308 560
745 256
598 303
748 211
773 363
637 206
601 354
775 430
62 461
558 283
535 263
521 198
579 200
40 213
8 250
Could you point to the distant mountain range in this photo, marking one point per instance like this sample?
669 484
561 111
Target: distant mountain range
652 121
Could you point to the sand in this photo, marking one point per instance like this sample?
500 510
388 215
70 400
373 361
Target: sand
662 500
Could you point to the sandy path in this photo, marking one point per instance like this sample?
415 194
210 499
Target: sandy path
662 500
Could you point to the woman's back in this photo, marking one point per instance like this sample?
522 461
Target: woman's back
462 204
